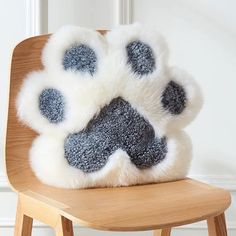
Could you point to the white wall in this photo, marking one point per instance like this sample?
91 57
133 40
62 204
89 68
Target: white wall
201 35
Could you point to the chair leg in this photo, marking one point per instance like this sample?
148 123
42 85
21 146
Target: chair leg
23 225
217 226
162 232
64 227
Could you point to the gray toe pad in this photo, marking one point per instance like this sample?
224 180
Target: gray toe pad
174 98
80 58
52 105
140 57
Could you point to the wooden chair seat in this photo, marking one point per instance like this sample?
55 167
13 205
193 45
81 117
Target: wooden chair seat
148 207
136 208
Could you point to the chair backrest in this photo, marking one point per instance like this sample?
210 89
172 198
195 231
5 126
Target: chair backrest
26 58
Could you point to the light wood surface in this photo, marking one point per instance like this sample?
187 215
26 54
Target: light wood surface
25 59
153 206
64 227
162 232
143 207
24 223
217 225
147 207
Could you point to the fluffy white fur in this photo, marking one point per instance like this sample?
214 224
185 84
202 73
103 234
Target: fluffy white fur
85 96
79 107
121 36
48 162
63 39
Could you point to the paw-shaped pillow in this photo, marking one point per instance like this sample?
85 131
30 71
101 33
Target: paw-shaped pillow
108 109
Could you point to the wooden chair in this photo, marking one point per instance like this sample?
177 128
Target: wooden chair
157 207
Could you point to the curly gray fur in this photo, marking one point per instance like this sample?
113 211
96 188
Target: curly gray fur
118 126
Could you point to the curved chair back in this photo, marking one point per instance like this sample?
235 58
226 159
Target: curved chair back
26 58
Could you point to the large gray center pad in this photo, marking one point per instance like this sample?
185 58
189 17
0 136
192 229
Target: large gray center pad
118 126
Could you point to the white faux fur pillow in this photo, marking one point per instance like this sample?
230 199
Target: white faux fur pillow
109 110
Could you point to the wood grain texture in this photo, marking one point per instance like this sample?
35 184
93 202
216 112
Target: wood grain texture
217 225
25 59
23 225
162 232
64 227
147 207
